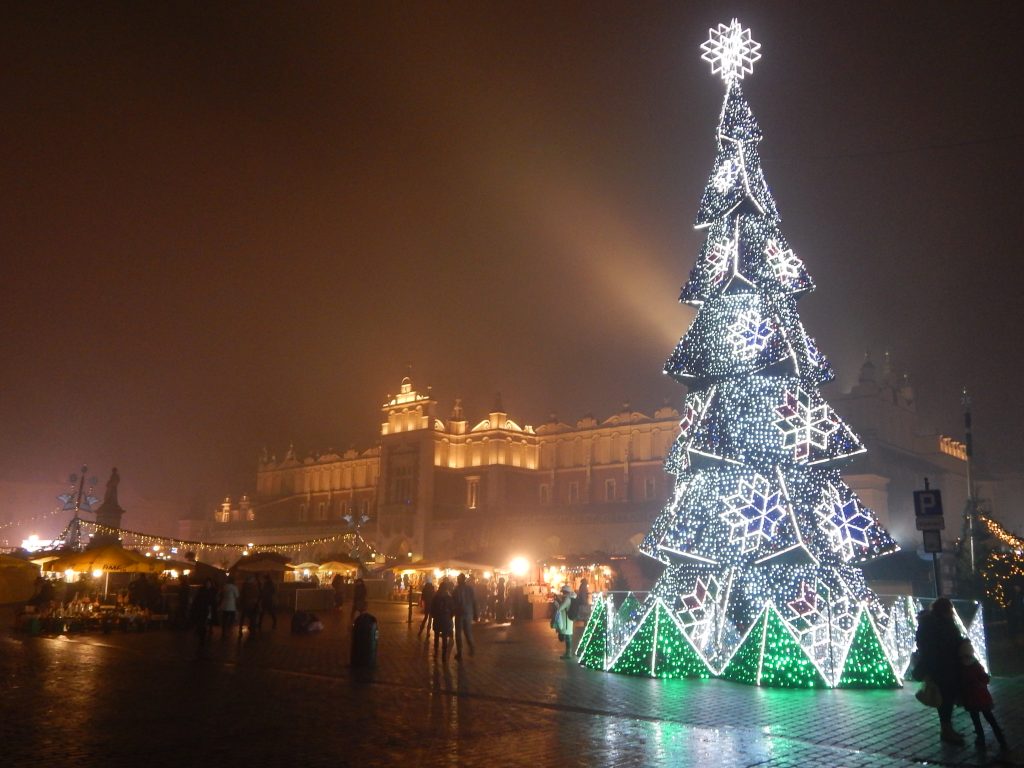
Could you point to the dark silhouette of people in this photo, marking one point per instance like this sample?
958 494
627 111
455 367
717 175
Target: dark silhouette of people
250 604
465 615
938 644
442 613
201 612
268 601
500 598
228 607
338 585
426 600
359 598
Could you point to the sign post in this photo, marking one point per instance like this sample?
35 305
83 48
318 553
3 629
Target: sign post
928 514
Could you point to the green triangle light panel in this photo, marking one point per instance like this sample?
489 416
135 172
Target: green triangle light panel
867 664
772 656
592 647
658 648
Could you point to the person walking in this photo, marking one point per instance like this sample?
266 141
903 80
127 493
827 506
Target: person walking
201 613
465 615
359 598
338 585
561 622
500 608
938 644
582 601
250 603
442 612
268 601
977 699
228 606
426 600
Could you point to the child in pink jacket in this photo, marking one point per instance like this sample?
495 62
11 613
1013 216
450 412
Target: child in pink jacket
976 697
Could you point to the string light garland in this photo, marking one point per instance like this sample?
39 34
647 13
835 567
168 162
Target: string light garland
1001 566
353 539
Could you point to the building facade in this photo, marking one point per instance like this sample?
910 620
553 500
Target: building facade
438 487
441 487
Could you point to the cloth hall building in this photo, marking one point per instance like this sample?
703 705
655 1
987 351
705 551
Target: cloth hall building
435 487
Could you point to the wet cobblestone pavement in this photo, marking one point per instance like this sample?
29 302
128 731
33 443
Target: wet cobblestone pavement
278 699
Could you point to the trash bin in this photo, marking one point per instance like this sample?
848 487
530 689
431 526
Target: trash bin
522 608
364 641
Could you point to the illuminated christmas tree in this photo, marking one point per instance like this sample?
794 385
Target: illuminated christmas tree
762 538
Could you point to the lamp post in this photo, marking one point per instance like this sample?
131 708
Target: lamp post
971 509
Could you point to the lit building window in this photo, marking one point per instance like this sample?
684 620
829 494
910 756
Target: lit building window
320 511
545 494
472 492
402 479
609 490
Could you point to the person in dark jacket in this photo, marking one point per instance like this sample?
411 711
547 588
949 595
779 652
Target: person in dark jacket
250 603
426 600
359 598
465 615
938 645
268 601
976 697
201 612
442 612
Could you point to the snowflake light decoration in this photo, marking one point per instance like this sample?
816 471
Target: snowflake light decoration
813 353
754 512
698 611
721 258
805 603
750 333
726 175
804 426
783 262
810 624
846 523
730 51
692 412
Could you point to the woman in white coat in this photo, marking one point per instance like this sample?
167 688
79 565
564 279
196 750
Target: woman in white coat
561 622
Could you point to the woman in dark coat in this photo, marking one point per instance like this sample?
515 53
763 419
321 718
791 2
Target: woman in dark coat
938 643
442 612
201 611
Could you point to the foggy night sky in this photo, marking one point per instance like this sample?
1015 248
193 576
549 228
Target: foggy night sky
232 225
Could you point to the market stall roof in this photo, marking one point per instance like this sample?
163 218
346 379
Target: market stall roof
305 566
111 558
201 571
261 561
17 579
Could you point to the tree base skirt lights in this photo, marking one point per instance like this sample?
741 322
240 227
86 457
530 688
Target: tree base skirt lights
649 639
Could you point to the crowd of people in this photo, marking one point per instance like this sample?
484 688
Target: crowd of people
450 611
221 606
